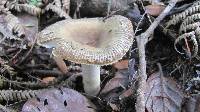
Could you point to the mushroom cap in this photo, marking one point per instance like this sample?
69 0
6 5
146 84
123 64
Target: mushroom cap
89 40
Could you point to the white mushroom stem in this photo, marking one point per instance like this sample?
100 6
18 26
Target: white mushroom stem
91 79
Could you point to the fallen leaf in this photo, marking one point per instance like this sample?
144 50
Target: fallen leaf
126 93
114 88
154 10
48 79
30 24
192 104
59 100
120 79
121 64
61 65
114 107
163 94
4 31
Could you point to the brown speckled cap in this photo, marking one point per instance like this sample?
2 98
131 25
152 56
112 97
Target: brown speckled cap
89 40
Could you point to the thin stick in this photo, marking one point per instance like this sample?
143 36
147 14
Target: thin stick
162 85
109 7
141 42
28 53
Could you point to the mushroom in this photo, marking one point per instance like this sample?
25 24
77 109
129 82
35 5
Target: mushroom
91 42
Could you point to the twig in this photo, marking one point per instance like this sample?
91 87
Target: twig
109 7
139 23
45 73
25 85
28 53
162 84
143 8
158 19
140 103
141 42
17 54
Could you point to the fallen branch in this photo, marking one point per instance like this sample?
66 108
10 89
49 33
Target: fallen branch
142 39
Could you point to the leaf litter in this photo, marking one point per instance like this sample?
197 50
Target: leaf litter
27 66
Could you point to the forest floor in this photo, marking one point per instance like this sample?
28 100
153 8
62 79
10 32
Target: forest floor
159 73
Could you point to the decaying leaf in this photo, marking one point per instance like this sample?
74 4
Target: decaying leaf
114 88
59 100
163 94
5 33
46 80
192 104
121 64
120 80
154 10
14 25
30 24
126 93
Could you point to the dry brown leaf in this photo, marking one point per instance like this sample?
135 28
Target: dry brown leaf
163 94
61 65
59 100
30 24
192 104
120 79
121 64
126 93
154 10
48 79
114 88
114 107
